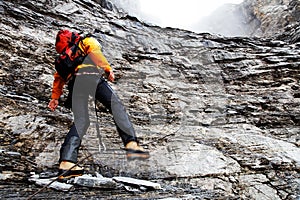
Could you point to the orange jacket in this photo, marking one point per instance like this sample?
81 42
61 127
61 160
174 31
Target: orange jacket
90 46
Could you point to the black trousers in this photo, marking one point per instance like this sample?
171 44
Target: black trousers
82 88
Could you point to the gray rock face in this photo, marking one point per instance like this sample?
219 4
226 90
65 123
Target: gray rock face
95 182
220 116
273 16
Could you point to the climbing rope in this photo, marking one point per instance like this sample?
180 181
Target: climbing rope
101 144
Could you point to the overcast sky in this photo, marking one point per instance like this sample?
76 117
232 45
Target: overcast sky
184 14
178 13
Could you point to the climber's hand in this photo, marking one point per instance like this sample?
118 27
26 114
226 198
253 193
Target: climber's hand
53 104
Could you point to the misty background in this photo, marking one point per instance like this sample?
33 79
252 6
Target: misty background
223 17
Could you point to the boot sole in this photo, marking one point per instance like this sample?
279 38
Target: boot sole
66 174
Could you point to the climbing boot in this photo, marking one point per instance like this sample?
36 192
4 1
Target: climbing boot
134 151
65 171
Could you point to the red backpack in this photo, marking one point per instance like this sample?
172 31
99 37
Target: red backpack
65 39
70 54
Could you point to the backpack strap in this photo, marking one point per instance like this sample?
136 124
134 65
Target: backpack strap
74 39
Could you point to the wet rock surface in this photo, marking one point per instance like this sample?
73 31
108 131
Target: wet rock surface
220 116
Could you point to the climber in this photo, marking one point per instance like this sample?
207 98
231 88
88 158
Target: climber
79 66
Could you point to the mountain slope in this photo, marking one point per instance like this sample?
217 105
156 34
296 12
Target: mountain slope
220 115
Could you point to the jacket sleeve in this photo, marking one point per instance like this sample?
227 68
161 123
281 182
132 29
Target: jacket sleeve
58 85
92 47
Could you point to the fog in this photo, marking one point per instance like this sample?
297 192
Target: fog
215 16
